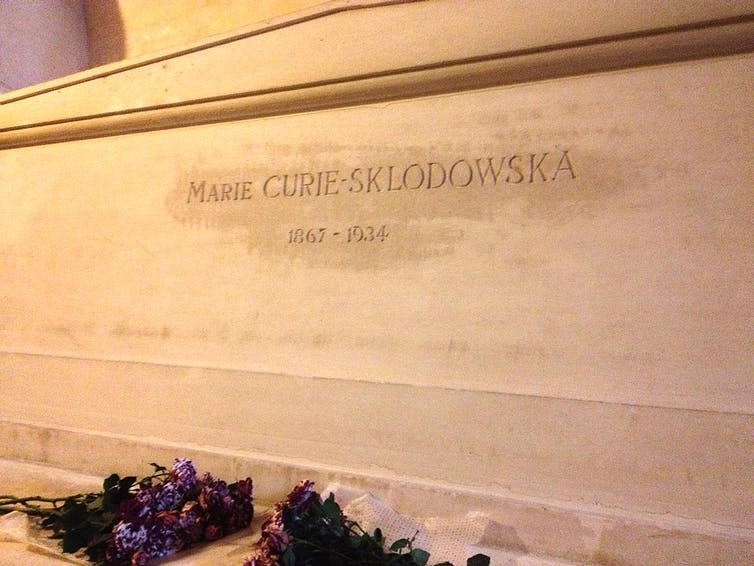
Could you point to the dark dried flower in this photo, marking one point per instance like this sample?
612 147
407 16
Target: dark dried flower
303 529
166 517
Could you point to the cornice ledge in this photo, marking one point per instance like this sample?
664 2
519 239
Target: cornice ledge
731 36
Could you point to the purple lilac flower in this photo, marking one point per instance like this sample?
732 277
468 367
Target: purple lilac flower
129 537
134 510
144 501
277 535
213 531
259 557
214 494
192 522
164 518
168 496
140 558
243 506
300 496
165 536
184 474
273 542
245 488
275 538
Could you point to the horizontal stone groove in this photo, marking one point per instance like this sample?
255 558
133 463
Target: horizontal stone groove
376 479
118 68
149 364
710 39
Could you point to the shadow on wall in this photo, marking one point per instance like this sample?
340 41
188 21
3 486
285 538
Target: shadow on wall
127 29
40 41
105 30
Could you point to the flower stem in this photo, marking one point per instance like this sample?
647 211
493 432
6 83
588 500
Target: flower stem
10 499
47 505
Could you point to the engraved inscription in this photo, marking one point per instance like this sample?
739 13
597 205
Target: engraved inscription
351 234
461 173
218 192
336 210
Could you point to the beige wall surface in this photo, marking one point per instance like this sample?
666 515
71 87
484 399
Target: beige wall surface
41 41
611 259
609 264
534 298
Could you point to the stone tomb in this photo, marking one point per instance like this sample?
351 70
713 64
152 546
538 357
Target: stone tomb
498 274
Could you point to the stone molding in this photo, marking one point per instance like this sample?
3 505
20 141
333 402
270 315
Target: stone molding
170 90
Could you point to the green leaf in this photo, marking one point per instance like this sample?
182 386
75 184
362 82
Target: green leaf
107 518
96 503
110 482
478 560
72 541
126 483
400 544
289 558
331 512
420 557
73 514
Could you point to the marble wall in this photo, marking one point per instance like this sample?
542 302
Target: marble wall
415 272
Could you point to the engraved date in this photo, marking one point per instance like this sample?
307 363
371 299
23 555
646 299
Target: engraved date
351 234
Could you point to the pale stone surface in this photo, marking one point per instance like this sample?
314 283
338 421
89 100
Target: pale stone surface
568 347
349 44
129 28
25 478
617 271
692 464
